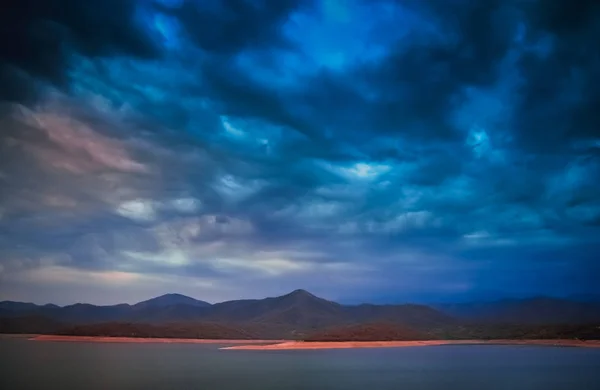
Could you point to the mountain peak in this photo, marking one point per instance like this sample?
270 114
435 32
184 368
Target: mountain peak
173 295
172 299
301 293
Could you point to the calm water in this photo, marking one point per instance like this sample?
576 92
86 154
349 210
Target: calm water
43 365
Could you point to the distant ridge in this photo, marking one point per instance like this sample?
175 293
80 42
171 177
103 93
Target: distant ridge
23 306
297 314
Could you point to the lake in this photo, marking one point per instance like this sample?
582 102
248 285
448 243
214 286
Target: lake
35 365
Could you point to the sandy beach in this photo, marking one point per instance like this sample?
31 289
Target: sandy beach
297 345
94 339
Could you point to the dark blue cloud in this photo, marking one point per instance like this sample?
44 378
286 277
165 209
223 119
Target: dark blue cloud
38 37
407 150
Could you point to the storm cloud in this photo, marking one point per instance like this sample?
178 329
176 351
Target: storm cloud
363 150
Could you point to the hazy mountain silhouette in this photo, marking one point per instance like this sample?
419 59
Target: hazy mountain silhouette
23 306
298 313
299 308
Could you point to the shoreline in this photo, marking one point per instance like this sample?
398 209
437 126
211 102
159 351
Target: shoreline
146 340
314 345
17 335
275 345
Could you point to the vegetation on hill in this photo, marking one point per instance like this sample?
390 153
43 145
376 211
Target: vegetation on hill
517 331
534 311
389 332
368 332
301 315
180 331
29 325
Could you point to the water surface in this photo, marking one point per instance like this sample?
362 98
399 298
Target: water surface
35 365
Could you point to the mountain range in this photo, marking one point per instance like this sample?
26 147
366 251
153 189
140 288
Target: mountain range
295 314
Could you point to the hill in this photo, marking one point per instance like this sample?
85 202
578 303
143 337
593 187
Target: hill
394 332
538 310
369 332
299 308
407 314
29 325
13 307
292 315
170 300
166 308
176 330
517 332
300 315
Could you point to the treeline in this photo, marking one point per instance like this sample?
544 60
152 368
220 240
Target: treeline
393 332
176 331
517 332
369 332
380 331
29 325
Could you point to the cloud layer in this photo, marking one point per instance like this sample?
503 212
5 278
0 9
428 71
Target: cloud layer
364 150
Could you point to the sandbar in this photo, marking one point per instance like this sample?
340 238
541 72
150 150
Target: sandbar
97 339
297 345
266 345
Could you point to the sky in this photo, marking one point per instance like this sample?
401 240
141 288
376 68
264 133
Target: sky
364 150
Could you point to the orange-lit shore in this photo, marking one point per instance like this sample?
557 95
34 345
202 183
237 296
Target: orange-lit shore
95 339
295 345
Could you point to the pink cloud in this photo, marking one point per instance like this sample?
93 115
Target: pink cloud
82 148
